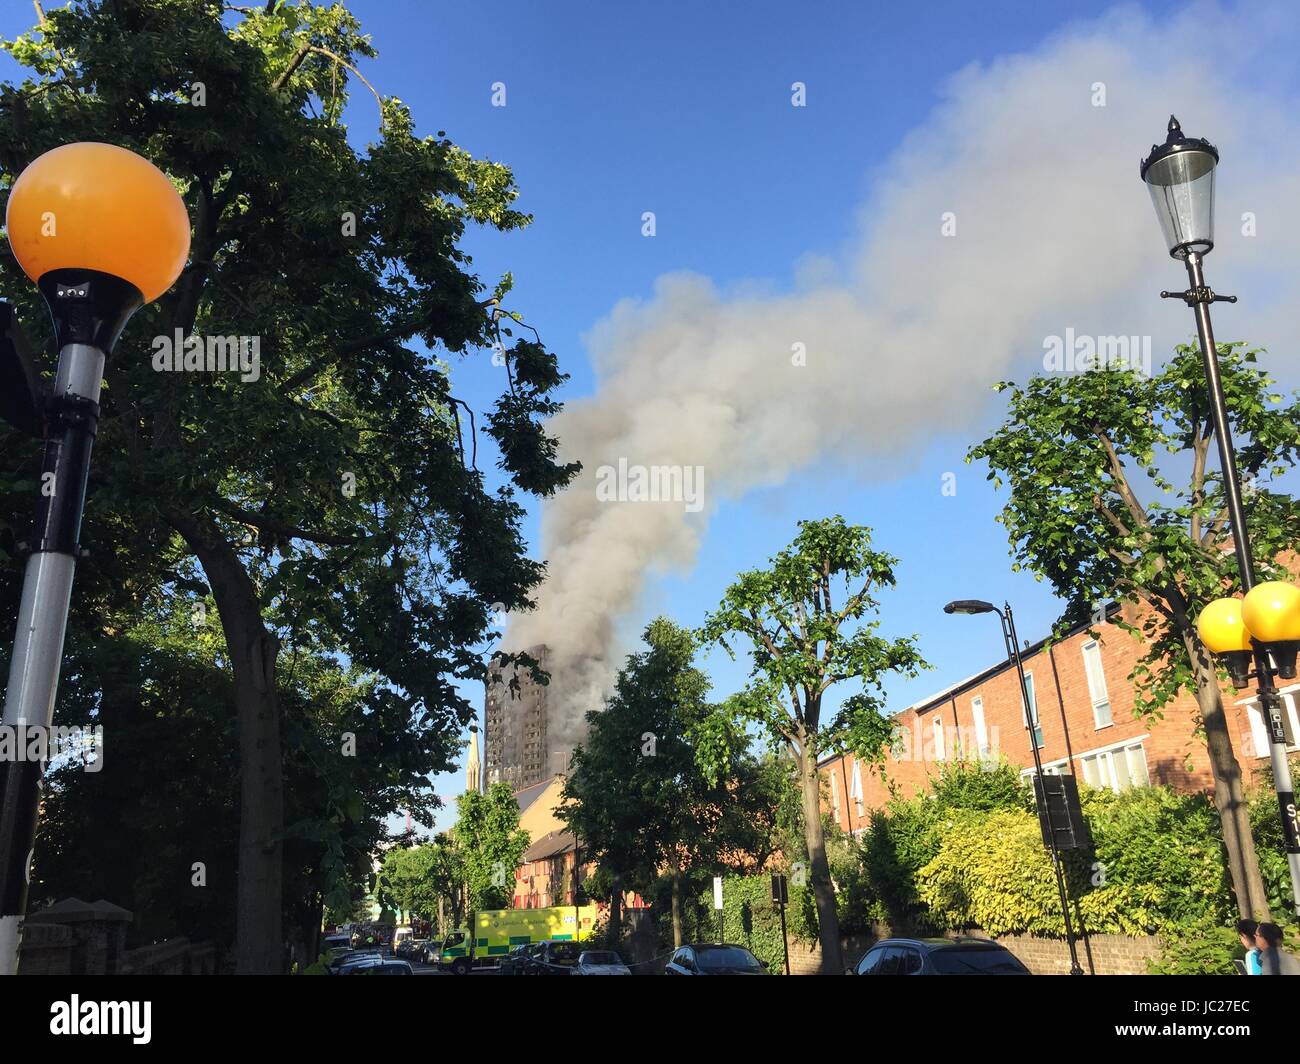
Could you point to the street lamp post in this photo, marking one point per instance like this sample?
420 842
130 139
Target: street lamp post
1179 174
973 606
102 232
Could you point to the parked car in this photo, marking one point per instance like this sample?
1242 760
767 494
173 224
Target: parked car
708 958
380 966
410 949
938 956
516 961
554 958
600 962
335 940
429 951
356 957
528 965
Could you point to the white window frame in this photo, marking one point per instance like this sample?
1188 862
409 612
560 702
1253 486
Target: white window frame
936 731
1059 767
1032 688
855 789
1103 759
1095 673
981 728
835 793
1259 727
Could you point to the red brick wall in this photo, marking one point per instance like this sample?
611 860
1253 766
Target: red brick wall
1175 755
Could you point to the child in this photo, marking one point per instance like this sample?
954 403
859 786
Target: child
1273 960
1246 932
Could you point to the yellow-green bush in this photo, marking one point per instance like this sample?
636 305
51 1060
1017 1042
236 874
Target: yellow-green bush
993 872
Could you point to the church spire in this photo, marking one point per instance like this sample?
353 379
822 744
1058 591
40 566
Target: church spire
473 766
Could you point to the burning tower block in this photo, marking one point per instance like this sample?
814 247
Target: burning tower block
518 748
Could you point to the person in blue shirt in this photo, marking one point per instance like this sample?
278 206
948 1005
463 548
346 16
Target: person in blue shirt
1273 959
1246 930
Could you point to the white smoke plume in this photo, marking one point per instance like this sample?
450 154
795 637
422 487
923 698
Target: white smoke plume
1053 230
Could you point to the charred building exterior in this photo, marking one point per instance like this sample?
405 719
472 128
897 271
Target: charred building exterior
517 747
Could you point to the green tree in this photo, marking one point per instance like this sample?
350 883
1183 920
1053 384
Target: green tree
489 845
334 501
801 644
408 882
1112 494
164 797
637 797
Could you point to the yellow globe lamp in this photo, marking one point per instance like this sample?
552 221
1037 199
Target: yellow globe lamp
1224 633
101 231
1271 611
1221 628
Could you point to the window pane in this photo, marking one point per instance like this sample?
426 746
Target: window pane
1119 765
981 730
1096 684
1258 730
1137 766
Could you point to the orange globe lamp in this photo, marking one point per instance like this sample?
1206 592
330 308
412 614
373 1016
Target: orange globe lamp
101 231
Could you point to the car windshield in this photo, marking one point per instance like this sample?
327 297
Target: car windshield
976 962
600 957
564 951
733 957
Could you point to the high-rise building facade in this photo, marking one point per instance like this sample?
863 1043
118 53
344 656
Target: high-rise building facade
517 751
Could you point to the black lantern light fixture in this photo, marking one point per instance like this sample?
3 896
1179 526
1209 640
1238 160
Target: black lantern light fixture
1264 627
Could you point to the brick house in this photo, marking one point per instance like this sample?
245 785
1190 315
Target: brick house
1081 711
544 875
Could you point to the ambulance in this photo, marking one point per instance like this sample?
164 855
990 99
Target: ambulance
497 931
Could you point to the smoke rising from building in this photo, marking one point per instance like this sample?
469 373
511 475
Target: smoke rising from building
1014 211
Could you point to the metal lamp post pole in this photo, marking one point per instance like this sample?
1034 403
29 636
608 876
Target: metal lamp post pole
1199 298
1013 649
72 412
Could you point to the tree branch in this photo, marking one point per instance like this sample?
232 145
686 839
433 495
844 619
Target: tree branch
280 528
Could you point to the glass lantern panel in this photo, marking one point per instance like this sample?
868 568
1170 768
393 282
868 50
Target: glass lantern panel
1182 190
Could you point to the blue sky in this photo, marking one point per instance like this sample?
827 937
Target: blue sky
684 109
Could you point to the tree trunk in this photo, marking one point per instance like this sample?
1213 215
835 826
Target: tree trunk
1229 798
615 930
311 930
828 920
253 651
678 933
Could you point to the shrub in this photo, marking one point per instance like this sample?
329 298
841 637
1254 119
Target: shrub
897 844
980 785
1266 825
991 872
1201 948
1154 836
751 920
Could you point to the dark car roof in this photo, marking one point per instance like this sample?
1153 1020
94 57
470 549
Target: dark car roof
943 943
